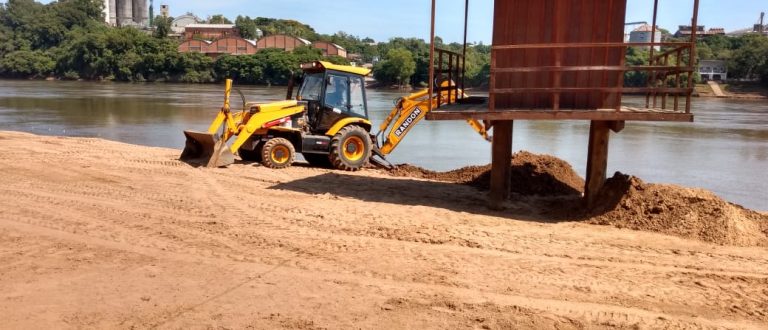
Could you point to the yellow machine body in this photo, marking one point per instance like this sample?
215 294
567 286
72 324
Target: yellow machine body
349 137
209 148
412 109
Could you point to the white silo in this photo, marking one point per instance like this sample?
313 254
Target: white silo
140 12
124 13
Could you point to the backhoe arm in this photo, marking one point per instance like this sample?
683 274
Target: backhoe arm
408 112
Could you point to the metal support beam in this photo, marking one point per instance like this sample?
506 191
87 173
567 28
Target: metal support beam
431 81
501 158
597 159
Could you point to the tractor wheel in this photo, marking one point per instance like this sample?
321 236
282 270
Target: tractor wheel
251 155
277 153
318 160
350 149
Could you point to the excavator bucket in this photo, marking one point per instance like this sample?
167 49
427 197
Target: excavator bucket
206 149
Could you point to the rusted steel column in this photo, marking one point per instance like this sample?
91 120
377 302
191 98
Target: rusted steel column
501 171
597 159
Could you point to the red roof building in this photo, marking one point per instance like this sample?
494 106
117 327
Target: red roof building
210 31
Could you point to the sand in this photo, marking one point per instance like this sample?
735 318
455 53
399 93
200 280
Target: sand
99 234
624 202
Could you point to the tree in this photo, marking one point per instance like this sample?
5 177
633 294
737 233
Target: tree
246 26
162 26
397 68
636 56
749 60
27 64
219 19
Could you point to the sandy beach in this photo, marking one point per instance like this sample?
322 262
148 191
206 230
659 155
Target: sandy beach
99 234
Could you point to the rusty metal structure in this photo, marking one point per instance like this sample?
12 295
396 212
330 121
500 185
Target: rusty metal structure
565 60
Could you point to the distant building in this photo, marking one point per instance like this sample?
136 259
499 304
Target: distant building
194 46
716 70
701 32
127 13
180 23
235 45
754 29
232 46
210 31
223 46
281 41
644 33
330 49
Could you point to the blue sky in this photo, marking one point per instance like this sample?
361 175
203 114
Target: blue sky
383 19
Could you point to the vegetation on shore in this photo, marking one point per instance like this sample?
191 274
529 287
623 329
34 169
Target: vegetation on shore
67 39
746 56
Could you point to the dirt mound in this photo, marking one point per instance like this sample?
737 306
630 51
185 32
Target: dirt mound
628 202
532 174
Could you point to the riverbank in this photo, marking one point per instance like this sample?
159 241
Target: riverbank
735 90
101 234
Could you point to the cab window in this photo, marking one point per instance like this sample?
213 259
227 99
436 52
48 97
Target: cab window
312 87
337 92
357 99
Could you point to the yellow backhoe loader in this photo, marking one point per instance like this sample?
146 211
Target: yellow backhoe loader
327 122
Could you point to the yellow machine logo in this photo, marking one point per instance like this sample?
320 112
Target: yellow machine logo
408 121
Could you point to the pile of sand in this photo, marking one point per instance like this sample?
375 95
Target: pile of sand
628 202
624 202
532 175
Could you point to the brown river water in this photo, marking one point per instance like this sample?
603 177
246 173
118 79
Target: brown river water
725 150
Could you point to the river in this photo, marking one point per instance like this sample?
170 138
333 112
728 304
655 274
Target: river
725 150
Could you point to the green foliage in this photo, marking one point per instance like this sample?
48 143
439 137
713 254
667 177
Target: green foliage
67 39
219 19
636 57
749 60
269 67
162 26
27 64
272 26
246 26
397 68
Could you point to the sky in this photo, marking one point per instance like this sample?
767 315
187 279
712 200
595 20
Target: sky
384 19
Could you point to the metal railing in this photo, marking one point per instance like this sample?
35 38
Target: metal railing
448 81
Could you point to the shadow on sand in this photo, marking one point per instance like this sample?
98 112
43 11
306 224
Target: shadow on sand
449 196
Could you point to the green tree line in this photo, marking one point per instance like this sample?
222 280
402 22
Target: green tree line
67 39
745 55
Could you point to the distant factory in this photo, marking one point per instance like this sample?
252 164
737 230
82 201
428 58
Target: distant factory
127 13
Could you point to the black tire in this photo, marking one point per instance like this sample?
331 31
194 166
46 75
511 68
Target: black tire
278 153
318 160
251 155
356 141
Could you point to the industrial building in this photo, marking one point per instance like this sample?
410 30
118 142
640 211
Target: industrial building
127 13
644 33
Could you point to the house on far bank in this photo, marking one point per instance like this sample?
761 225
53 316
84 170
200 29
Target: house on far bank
684 31
715 70
210 31
330 49
644 33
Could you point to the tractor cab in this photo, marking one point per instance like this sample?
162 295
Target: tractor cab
332 92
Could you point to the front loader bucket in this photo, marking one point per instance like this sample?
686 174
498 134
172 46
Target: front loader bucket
206 149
